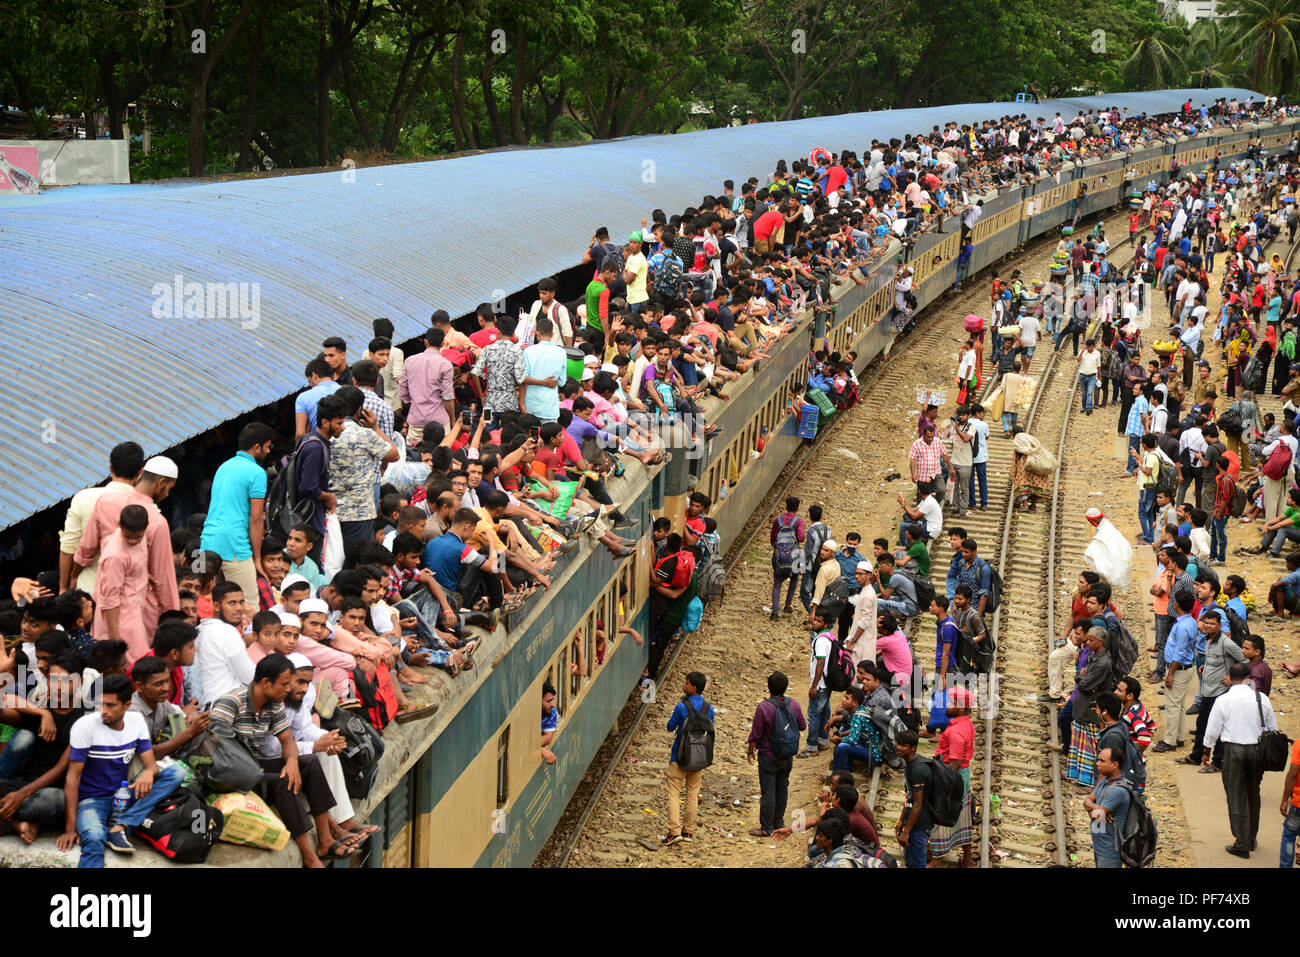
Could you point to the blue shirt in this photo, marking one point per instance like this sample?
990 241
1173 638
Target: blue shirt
1291 581
1237 605
1106 835
551 720
238 481
307 401
946 634
541 361
444 556
679 716
1180 646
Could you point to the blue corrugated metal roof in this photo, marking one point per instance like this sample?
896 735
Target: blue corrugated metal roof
92 364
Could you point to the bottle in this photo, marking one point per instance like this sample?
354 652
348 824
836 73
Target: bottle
996 803
121 799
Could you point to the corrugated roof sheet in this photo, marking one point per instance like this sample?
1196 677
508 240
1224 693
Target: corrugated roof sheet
94 363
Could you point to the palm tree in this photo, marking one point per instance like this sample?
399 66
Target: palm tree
1156 62
1264 36
1212 49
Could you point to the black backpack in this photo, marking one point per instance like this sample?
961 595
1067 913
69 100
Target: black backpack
1123 648
695 739
1140 837
995 590
1238 630
360 759
784 739
835 598
668 275
944 796
284 509
840 670
924 593
182 827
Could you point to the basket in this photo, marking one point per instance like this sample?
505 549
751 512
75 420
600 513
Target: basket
974 323
1165 349
1010 331
807 421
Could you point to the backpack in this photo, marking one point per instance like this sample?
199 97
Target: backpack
682 572
360 759
695 739
834 600
1231 420
965 653
924 593
944 796
1140 837
1166 477
787 543
668 275
995 590
976 656
1279 460
840 670
376 695
784 739
713 581
1237 627
284 509
182 827
1123 648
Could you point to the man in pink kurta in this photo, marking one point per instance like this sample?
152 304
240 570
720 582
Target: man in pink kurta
154 485
121 585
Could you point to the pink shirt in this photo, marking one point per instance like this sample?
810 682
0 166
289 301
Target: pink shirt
121 586
894 650
162 592
427 384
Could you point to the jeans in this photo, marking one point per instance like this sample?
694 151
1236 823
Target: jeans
900 609
45 807
1130 466
918 845
357 533
979 470
1219 539
904 524
1087 384
819 712
1146 505
1290 830
806 581
435 647
779 576
16 752
773 783
846 754
1275 539
93 814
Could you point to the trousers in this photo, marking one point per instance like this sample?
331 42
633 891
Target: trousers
315 787
1290 830
93 815
1202 723
1057 662
1176 704
1241 779
819 712
979 471
961 488
692 779
774 786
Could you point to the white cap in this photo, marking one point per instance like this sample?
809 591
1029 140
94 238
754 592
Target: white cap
309 605
288 618
291 580
831 544
299 660
609 367
588 373
863 566
162 466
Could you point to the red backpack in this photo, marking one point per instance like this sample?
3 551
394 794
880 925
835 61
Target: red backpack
1278 461
376 695
682 573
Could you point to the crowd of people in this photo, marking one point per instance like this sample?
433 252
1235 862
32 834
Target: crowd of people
406 503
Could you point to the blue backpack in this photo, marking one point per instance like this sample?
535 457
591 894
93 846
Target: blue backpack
691 617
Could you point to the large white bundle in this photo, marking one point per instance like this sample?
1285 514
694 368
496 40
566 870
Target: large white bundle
1110 555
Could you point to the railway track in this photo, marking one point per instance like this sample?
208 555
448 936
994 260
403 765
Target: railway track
609 810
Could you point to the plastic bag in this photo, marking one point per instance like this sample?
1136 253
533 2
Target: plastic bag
332 557
404 474
1110 555
995 402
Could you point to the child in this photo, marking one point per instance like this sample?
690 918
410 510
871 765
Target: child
206 565
286 638
1200 536
659 535
76 611
293 591
266 632
39 616
332 665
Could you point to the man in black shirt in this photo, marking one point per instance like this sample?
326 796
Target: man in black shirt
913 830
32 794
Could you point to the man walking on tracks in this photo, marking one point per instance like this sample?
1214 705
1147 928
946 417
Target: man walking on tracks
787 554
692 752
774 741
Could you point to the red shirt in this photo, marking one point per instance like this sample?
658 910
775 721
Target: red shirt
767 224
485 337
1224 487
957 741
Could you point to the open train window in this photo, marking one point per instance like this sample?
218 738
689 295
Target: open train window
503 768
561 670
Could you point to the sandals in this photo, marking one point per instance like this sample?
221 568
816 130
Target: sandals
345 847
409 712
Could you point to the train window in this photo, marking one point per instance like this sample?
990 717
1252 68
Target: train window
577 662
562 685
503 768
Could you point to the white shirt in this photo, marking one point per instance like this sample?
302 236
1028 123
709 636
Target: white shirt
932 512
1235 717
557 313
967 367
1160 420
821 648
1029 329
222 659
1089 362
1192 439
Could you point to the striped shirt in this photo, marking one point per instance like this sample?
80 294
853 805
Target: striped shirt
1139 408
106 753
235 712
1141 729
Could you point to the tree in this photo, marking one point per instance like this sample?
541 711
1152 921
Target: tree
1212 49
208 42
1264 36
1156 60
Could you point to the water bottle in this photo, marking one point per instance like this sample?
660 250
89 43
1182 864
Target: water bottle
121 799
996 803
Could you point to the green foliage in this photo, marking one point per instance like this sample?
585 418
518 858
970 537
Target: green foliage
411 78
